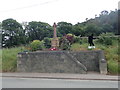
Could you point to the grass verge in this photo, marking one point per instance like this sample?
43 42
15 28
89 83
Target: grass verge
9 59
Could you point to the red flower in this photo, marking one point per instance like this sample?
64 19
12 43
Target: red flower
53 49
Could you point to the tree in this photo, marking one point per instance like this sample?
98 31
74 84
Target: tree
78 29
113 21
38 30
105 22
107 28
64 28
104 12
92 29
12 33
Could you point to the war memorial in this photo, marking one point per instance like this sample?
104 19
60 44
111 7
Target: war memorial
62 61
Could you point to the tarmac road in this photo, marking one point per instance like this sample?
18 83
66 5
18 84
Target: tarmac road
15 82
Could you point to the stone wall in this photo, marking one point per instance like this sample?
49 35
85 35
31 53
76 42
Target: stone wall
62 62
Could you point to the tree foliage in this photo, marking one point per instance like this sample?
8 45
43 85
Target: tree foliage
64 28
13 33
38 30
47 42
106 38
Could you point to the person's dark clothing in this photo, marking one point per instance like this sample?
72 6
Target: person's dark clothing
90 40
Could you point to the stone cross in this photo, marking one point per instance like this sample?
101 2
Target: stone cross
55 40
55 34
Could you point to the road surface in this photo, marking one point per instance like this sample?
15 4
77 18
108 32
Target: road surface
13 82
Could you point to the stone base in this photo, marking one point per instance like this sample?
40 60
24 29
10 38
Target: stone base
62 62
55 43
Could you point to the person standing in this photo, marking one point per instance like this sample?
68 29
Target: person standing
90 41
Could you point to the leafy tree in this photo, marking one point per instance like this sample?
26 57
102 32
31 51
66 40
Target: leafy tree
113 21
106 22
79 29
38 30
107 28
104 12
92 29
12 33
64 28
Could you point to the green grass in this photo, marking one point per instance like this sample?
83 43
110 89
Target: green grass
111 54
78 47
9 59
113 67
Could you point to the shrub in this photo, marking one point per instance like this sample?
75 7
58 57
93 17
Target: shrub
66 41
77 39
47 42
65 44
106 38
70 38
36 45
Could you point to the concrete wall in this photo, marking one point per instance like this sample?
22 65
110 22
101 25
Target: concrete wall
61 62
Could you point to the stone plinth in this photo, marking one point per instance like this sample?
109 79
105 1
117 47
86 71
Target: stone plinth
55 43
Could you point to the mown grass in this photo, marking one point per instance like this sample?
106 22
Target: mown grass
9 59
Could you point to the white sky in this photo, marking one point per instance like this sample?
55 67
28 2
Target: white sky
51 11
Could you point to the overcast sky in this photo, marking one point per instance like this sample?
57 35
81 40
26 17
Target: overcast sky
50 11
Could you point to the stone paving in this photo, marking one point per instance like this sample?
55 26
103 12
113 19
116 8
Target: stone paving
89 76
